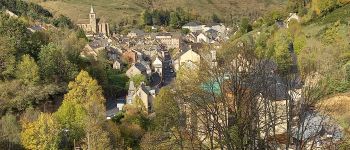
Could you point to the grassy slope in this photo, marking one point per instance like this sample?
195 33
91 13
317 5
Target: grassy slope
115 10
337 106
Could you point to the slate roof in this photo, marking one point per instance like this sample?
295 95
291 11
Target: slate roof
140 67
316 124
212 24
192 23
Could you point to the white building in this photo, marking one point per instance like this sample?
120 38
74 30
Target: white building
158 66
193 26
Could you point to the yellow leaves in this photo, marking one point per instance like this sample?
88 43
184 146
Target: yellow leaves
42 134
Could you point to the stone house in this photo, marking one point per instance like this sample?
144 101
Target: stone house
188 58
168 40
147 95
136 69
134 33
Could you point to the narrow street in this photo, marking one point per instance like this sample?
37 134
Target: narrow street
168 70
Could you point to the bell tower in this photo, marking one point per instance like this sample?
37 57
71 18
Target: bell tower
93 23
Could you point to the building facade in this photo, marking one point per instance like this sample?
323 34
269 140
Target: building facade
93 25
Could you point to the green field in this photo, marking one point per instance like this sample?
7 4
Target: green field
115 10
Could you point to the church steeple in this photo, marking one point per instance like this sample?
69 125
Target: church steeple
92 10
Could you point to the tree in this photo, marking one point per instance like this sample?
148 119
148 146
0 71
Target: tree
147 18
215 18
7 57
245 27
138 79
175 20
42 134
28 70
10 131
63 21
71 116
282 46
54 64
323 6
83 112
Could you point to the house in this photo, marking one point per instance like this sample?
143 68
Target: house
146 94
192 37
202 38
147 65
292 16
93 25
219 27
11 14
134 33
136 69
131 92
158 66
193 26
168 40
130 56
117 65
188 58
317 131
36 28
212 34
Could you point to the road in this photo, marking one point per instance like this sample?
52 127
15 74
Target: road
168 71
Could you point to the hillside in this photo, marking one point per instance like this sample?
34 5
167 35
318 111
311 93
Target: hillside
115 10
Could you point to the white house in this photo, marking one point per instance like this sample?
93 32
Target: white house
193 26
202 38
11 14
293 16
158 66
117 65
131 92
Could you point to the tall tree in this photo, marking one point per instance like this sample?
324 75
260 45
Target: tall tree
283 50
7 57
83 112
147 18
28 70
175 20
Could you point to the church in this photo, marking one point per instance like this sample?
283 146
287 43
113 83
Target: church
93 25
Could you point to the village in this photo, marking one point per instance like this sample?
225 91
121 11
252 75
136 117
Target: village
159 55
